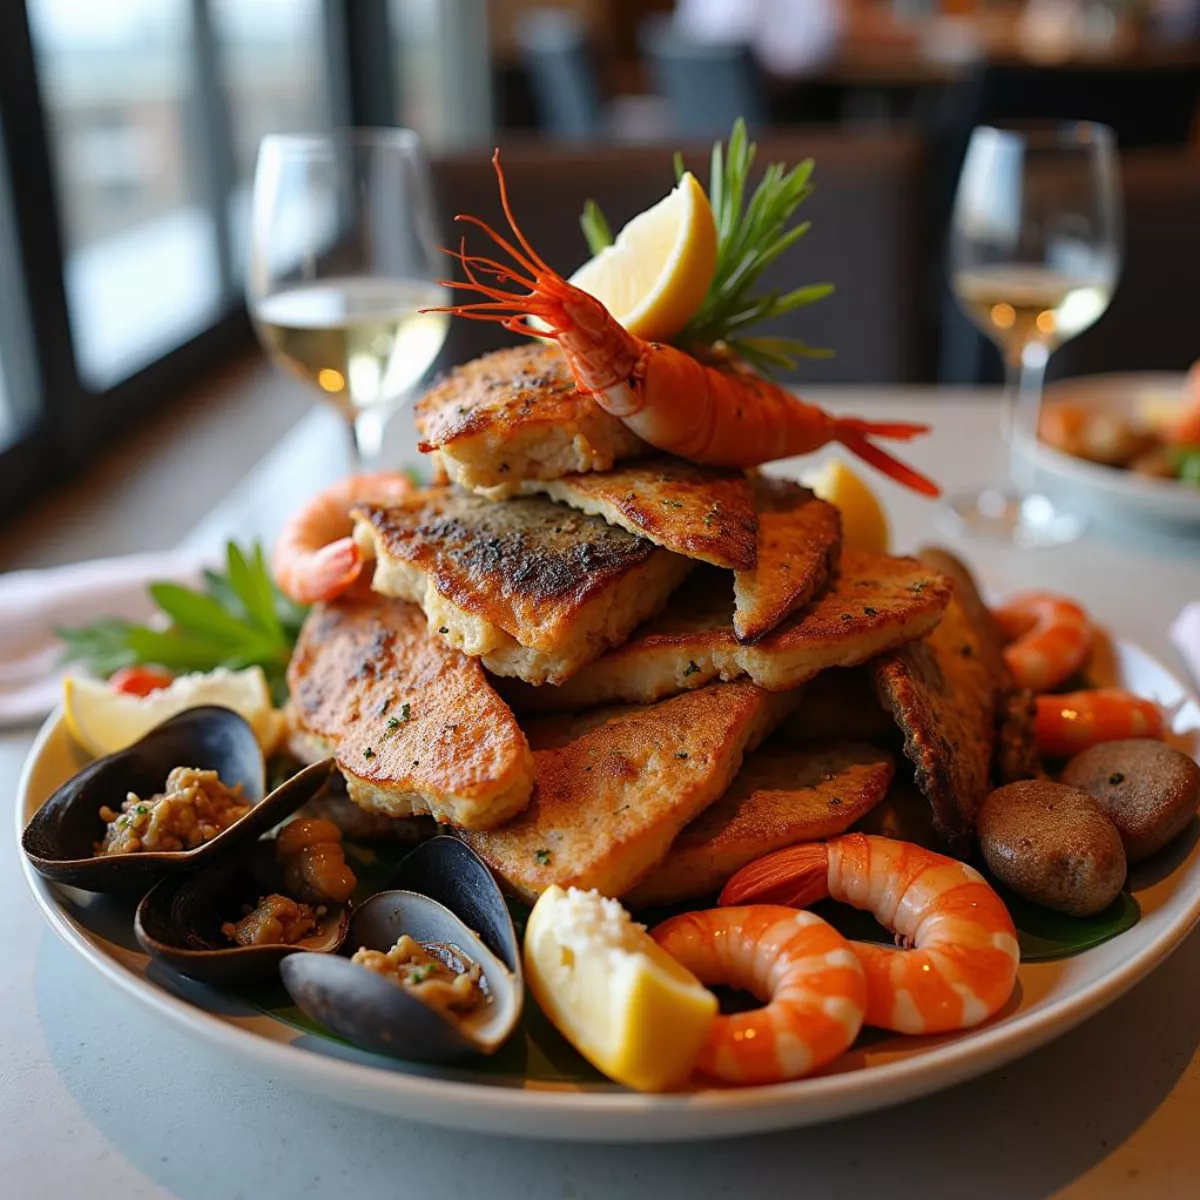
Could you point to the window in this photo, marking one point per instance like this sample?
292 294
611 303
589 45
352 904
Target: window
142 268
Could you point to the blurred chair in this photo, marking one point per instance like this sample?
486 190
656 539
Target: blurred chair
1153 322
869 236
554 47
707 85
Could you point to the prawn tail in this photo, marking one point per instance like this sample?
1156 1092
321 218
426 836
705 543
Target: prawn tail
797 877
321 575
856 436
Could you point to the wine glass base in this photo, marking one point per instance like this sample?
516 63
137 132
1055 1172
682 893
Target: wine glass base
1021 520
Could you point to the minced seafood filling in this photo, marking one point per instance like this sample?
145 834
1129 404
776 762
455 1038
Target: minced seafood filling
276 921
430 979
192 809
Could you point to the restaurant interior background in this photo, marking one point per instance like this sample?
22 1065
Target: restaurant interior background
129 131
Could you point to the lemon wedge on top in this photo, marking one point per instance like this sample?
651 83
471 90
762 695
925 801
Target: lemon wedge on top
103 721
864 525
625 1004
657 272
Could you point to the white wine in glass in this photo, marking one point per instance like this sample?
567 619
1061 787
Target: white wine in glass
1034 259
343 258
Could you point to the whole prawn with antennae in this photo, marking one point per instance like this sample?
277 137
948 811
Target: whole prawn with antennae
716 415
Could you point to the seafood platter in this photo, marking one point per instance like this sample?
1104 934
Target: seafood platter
605 785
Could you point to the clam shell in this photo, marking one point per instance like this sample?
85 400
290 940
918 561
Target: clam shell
363 1008
61 836
179 921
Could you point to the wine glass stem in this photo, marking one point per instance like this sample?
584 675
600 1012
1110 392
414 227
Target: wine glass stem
1025 375
366 438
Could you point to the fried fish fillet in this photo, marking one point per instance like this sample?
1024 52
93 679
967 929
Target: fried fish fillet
415 725
799 541
874 604
533 588
704 513
946 693
783 795
612 796
515 414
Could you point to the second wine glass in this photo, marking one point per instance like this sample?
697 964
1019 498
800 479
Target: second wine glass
1035 253
343 255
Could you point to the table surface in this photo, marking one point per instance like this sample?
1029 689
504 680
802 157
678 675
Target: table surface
98 1099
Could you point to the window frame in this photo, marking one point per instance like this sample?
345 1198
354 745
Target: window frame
70 423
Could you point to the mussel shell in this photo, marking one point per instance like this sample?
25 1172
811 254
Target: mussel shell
179 921
61 836
370 1011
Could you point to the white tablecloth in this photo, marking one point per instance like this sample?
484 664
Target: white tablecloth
98 1100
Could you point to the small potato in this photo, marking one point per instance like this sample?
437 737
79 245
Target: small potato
1053 845
1149 791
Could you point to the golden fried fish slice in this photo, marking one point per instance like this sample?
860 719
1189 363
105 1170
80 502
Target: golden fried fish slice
704 513
874 604
415 726
533 588
610 800
946 695
799 540
782 795
515 414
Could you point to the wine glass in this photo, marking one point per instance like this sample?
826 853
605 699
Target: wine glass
343 255
1035 252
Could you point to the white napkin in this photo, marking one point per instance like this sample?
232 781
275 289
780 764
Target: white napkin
34 603
1185 633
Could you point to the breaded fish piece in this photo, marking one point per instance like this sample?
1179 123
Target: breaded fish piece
945 693
783 795
416 727
533 588
874 604
799 542
611 798
704 513
516 414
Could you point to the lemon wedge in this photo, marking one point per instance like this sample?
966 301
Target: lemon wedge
864 525
103 721
625 1004
656 274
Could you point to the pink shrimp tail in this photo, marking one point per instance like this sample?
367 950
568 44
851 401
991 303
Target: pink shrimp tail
329 572
796 877
856 436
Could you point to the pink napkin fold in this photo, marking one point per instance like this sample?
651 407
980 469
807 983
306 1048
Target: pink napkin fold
1185 633
34 603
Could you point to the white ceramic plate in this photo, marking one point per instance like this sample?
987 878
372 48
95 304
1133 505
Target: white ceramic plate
1051 998
1107 492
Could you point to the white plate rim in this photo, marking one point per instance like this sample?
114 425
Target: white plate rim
617 1115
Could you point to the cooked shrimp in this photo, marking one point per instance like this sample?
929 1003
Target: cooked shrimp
1185 428
721 416
802 969
964 955
1053 637
1068 724
315 557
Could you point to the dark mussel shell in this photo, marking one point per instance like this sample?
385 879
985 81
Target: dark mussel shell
60 838
179 921
370 1011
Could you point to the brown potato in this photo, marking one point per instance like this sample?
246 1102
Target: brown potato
1149 791
1053 845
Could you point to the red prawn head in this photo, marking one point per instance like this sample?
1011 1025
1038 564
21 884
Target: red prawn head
602 354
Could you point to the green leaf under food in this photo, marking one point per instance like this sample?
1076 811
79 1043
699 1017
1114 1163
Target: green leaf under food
596 230
1045 935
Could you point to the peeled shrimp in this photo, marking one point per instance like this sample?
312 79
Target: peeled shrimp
315 557
716 415
805 972
1070 723
1053 637
963 962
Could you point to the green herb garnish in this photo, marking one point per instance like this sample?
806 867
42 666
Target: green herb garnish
393 723
543 857
238 619
368 753
405 711
750 236
690 669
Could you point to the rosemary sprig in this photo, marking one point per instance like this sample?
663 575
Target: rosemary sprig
239 619
750 236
